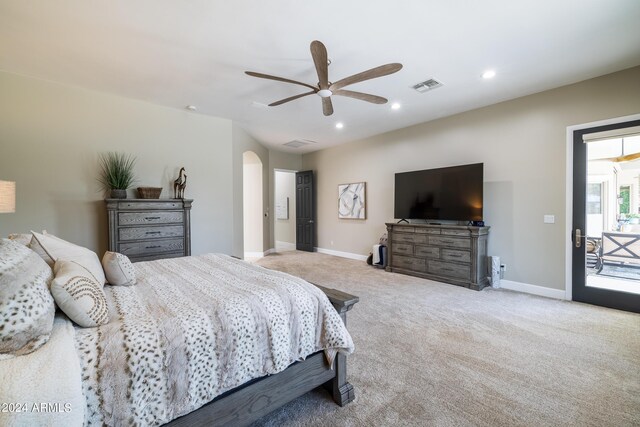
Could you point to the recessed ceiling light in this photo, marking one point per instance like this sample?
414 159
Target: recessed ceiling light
191 108
395 106
339 125
489 74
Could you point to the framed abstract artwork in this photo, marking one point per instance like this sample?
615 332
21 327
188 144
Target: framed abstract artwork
352 203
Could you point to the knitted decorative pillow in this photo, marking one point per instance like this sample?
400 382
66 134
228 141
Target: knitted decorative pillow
23 239
26 305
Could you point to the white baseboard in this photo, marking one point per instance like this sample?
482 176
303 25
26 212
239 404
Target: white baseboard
342 254
285 246
259 254
533 289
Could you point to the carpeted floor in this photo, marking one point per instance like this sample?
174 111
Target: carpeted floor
432 354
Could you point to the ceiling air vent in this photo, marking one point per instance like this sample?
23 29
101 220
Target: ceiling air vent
427 85
297 143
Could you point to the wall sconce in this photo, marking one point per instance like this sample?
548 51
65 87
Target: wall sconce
7 196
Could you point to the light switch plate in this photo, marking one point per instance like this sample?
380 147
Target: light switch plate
549 219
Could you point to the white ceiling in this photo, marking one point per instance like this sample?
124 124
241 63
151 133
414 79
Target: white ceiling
177 53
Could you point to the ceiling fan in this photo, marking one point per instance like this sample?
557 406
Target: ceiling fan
325 89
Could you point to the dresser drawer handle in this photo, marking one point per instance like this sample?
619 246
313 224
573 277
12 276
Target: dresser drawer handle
153 232
447 242
153 247
150 218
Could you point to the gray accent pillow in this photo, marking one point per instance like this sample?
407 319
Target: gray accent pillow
26 305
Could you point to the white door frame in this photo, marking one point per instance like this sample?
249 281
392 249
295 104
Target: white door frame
274 219
569 193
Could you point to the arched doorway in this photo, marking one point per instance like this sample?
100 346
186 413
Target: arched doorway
252 205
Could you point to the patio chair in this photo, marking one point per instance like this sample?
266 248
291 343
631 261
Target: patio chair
619 247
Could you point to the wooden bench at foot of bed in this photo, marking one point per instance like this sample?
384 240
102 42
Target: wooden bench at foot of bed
248 402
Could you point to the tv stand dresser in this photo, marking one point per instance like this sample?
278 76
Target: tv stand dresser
453 254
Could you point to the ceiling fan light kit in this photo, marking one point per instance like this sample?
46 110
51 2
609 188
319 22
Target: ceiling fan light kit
325 89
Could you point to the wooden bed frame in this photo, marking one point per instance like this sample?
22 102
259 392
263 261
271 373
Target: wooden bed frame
248 402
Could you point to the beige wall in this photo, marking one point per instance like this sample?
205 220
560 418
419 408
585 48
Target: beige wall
285 187
522 144
51 135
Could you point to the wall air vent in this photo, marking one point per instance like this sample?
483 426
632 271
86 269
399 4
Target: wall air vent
297 143
427 85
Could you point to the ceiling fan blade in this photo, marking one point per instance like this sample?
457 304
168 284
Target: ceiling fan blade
291 98
621 159
280 79
327 106
361 96
383 70
319 54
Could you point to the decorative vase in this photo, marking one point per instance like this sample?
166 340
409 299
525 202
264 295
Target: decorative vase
118 194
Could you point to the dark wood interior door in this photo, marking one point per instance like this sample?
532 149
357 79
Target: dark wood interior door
305 211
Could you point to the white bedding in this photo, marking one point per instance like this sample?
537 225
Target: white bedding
43 388
193 328
189 330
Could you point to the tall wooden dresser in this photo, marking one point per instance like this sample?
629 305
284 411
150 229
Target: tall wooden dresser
148 229
447 253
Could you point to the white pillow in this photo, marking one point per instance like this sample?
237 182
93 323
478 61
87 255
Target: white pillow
37 248
118 269
78 294
57 249
26 306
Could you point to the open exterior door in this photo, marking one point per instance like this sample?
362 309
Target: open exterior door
583 289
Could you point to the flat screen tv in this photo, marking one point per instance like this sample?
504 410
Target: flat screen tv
453 193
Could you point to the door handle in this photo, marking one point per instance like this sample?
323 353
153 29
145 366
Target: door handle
578 238
310 221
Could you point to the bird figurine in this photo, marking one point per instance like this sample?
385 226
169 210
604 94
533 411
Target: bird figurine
177 183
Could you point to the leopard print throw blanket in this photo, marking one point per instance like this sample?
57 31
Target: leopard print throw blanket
193 328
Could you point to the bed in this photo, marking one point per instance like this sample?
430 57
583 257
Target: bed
202 340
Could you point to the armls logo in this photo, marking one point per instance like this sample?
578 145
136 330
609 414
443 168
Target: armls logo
42 407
